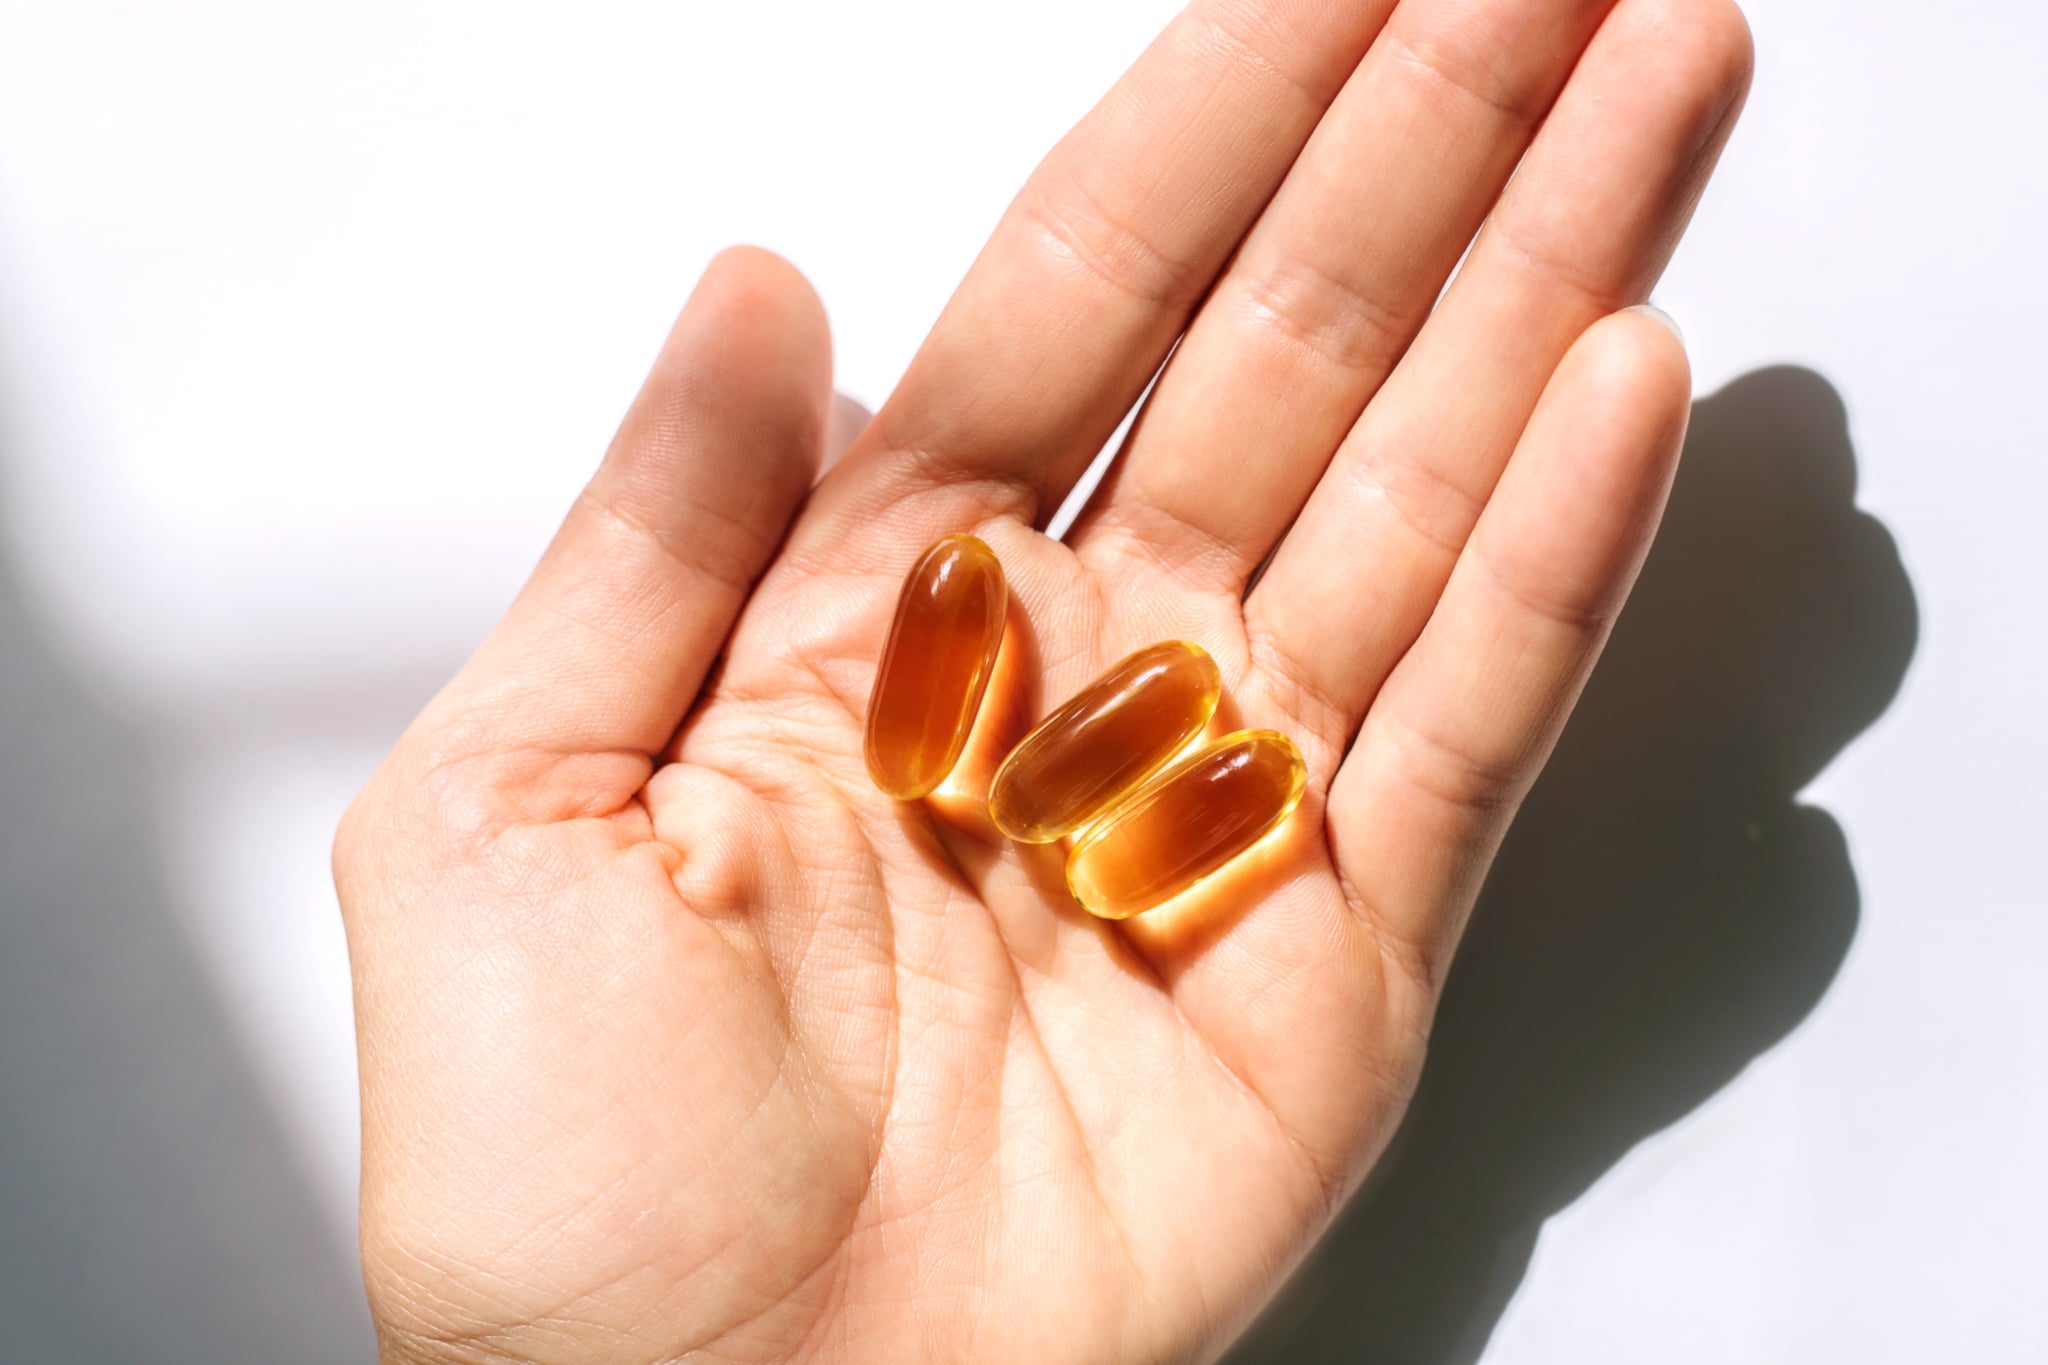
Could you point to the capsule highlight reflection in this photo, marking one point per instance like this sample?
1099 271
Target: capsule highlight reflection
1095 750
941 652
1187 823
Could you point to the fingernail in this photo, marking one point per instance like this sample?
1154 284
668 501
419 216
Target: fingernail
1651 310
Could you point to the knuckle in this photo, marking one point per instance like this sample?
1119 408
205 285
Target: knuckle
1075 224
1302 688
1331 315
1469 62
442 797
1425 498
1259 38
1545 243
1452 773
1561 606
1413 963
1174 538
721 549
454 792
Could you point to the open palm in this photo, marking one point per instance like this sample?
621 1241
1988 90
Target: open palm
679 1037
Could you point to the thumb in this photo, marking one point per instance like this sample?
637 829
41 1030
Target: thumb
606 647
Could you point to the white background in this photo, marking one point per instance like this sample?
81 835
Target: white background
313 319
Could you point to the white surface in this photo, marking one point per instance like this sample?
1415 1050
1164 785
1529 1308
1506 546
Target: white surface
310 324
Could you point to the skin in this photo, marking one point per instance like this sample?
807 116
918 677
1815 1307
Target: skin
678 1039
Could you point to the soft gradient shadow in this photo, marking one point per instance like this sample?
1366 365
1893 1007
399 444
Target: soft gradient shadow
1664 910
150 1209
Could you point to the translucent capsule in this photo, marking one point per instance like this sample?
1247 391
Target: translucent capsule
941 651
1092 752
1187 823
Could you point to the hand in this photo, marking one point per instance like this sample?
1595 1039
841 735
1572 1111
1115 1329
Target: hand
678 1037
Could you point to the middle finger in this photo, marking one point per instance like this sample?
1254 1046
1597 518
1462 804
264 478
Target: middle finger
1333 282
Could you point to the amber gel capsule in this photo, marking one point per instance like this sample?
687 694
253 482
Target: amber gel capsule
1187 823
1088 755
941 650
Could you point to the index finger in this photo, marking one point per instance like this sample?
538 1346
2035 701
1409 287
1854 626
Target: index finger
1098 263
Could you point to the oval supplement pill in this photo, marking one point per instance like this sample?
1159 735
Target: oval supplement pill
1187 823
941 651
1095 750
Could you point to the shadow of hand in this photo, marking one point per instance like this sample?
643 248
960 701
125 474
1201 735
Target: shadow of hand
1664 909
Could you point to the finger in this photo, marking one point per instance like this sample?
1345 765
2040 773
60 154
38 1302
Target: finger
1584 229
1096 266
606 646
1330 287
1466 721
1320 995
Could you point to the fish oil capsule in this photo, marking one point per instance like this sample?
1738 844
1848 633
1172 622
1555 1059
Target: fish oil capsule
1092 752
1187 823
941 651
